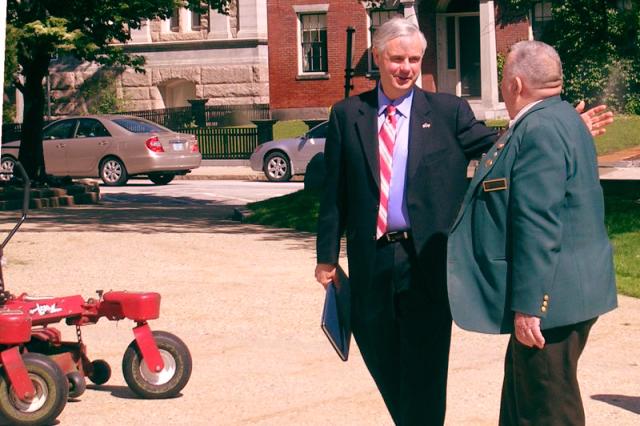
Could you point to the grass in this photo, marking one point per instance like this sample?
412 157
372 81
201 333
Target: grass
622 201
622 134
289 129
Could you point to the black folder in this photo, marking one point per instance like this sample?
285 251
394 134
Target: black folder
336 315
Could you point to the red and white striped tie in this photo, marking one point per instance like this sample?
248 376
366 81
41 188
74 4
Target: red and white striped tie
386 139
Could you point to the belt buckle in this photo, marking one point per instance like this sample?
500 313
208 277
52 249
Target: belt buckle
393 237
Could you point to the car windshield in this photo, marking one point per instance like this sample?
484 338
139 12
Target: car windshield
138 126
320 131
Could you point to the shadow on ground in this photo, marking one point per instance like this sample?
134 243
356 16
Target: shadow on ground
147 214
629 403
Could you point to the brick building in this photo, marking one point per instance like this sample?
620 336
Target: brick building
307 50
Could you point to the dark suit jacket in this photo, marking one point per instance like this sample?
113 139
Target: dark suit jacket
443 135
535 243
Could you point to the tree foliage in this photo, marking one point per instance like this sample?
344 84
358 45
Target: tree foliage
85 29
599 43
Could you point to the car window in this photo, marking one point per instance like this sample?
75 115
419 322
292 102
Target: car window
320 131
60 130
138 126
91 128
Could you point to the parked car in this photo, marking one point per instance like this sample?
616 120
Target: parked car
112 147
281 159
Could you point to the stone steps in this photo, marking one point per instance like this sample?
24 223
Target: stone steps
77 193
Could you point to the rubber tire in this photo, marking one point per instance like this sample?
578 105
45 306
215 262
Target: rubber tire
274 165
161 178
169 344
77 384
7 163
113 172
48 373
100 372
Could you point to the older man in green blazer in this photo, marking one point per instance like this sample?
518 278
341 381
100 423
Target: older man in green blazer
528 253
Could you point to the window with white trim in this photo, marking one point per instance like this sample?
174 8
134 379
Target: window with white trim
377 17
313 42
541 18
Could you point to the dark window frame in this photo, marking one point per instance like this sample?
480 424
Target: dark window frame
313 44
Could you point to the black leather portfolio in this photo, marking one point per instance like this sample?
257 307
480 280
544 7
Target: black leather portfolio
336 315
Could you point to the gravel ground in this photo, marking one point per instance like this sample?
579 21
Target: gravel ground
244 300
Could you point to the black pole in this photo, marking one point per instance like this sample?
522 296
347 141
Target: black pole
348 71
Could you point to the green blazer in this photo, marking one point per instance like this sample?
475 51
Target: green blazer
530 235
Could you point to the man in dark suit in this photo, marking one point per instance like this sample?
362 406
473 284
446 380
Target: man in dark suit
529 253
400 314
396 160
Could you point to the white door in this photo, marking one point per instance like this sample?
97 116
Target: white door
458 44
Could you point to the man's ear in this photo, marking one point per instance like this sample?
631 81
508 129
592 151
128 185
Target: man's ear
376 56
516 86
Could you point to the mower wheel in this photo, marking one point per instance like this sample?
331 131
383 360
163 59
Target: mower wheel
100 372
51 387
77 385
166 383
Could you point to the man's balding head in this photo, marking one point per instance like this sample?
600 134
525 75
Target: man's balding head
532 71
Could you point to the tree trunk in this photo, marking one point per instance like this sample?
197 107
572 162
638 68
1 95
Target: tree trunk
31 154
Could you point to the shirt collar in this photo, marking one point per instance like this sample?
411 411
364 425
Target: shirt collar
523 111
402 104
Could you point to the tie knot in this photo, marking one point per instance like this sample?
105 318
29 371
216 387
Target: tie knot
391 111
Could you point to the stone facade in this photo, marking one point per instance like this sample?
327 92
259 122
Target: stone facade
219 57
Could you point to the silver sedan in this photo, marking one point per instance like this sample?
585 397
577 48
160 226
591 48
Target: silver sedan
112 147
283 158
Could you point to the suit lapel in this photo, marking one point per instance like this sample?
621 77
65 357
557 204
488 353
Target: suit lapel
419 132
367 128
484 167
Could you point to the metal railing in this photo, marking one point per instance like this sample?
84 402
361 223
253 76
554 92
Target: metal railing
220 143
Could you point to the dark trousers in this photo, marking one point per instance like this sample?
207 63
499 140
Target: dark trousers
540 386
403 330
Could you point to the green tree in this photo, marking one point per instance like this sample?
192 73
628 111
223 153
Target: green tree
84 29
599 43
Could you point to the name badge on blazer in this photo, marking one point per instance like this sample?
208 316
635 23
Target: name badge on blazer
494 185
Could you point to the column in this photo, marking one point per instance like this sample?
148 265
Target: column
488 61
252 16
184 19
142 34
218 25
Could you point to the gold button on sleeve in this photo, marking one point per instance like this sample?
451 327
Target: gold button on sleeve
543 309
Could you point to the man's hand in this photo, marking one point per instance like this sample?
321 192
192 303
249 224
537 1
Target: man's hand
595 119
325 273
527 330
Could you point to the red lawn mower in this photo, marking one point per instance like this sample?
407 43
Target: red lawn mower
39 371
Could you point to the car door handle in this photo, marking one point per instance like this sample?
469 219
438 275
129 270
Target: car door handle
61 145
103 143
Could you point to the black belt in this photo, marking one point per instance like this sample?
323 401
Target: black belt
395 236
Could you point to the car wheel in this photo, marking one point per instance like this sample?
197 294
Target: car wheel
277 167
6 168
113 172
161 178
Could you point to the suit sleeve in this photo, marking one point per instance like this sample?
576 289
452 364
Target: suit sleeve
332 203
474 136
538 185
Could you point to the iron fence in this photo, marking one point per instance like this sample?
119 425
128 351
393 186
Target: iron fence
220 143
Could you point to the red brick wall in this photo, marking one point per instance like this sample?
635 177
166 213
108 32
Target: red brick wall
510 34
287 92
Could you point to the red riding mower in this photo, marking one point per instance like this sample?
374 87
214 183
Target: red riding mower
39 371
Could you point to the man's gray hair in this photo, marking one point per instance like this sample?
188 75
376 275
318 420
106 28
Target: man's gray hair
535 62
394 28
